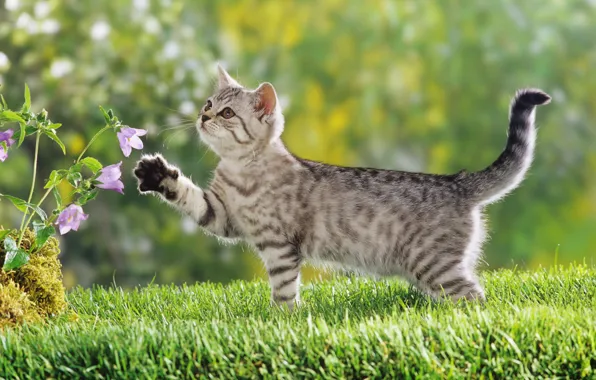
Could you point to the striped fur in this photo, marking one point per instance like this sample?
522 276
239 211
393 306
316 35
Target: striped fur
426 228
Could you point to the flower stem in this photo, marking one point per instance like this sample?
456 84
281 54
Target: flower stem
38 204
23 224
92 141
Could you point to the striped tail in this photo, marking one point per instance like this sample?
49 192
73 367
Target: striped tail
507 172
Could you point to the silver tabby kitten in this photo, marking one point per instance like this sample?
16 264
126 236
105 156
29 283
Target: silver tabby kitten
424 227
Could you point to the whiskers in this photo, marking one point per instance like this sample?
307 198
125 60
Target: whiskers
184 126
177 129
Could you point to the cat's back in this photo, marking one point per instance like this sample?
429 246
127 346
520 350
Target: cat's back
386 187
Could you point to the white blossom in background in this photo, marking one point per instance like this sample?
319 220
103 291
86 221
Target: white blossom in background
171 50
25 21
188 225
141 5
49 26
4 62
187 108
100 30
41 9
152 25
173 120
61 67
12 5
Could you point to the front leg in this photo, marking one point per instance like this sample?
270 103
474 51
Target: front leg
283 263
156 176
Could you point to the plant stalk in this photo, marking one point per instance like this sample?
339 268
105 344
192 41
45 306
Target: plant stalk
38 204
23 224
92 141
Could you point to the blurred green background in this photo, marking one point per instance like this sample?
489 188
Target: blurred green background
411 85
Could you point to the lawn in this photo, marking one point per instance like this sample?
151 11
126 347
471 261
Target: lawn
539 323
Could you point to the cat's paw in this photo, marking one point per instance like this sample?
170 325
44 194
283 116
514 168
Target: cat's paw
155 175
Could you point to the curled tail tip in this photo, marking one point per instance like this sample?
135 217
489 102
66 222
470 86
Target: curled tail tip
532 97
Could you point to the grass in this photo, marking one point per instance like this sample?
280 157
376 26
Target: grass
539 323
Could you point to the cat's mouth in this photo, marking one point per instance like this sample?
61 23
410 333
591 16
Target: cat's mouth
203 128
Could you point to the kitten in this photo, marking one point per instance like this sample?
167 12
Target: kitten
424 227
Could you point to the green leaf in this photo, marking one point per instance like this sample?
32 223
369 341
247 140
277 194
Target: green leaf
42 233
27 105
3 101
88 196
29 130
22 205
9 115
57 196
15 256
22 133
17 202
54 126
3 234
105 115
52 134
74 178
56 176
92 164
76 168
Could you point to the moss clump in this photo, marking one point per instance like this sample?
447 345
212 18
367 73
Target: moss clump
15 305
35 290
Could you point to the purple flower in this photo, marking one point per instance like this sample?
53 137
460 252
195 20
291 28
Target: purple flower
129 138
109 178
70 218
6 137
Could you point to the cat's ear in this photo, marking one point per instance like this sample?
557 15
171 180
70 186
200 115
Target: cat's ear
266 98
225 80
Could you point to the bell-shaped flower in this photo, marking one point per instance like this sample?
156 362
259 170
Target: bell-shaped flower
109 178
70 218
129 138
5 137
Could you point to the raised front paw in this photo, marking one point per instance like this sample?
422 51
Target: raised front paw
154 174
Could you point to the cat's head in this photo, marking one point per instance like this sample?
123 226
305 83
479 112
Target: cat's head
237 122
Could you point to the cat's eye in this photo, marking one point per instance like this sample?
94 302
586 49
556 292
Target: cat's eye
227 113
208 105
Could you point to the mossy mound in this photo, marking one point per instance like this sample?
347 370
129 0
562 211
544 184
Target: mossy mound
35 290
15 305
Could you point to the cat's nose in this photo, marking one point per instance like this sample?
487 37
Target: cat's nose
204 118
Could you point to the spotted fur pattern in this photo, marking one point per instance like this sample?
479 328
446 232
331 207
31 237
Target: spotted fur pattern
426 228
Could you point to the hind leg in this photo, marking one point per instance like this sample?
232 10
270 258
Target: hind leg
461 286
444 273
444 264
